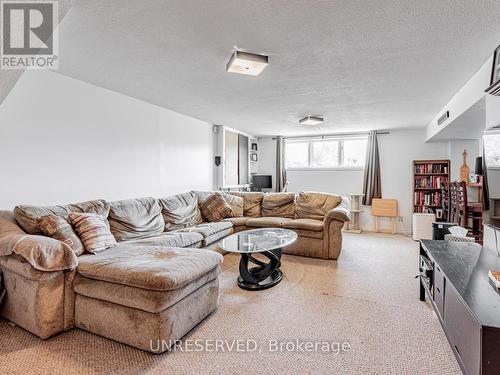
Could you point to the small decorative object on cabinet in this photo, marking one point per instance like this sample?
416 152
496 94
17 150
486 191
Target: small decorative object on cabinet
428 176
384 208
355 208
464 169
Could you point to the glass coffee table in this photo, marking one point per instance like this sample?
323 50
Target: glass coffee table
268 242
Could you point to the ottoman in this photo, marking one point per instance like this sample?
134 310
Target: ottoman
146 297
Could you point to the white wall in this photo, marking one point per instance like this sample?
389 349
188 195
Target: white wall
469 94
456 149
267 158
397 151
62 140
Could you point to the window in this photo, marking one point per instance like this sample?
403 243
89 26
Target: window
345 152
325 154
297 154
492 149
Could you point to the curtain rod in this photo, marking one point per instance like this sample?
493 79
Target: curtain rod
323 136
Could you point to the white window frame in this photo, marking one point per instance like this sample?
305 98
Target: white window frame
310 142
490 132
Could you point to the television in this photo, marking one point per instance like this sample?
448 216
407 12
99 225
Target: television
260 182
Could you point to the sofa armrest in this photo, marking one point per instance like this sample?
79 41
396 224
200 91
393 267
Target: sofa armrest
338 213
341 212
42 253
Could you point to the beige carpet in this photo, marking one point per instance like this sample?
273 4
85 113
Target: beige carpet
368 299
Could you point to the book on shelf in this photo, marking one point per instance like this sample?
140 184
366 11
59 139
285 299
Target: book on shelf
495 278
427 199
428 168
430 182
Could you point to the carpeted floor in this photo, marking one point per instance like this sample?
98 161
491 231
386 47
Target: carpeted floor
369 299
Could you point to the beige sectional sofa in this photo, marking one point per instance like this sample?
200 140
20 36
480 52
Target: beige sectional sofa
162 277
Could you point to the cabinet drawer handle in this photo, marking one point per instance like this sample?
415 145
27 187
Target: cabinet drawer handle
456 348
438 290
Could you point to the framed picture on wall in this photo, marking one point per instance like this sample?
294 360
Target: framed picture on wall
253 157
254 146
495 74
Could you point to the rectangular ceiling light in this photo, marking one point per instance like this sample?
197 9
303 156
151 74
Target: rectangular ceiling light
311 120
247 63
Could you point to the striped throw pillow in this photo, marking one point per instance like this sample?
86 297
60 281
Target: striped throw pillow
93 231
58 228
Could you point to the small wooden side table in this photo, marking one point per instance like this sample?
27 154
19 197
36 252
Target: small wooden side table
355 208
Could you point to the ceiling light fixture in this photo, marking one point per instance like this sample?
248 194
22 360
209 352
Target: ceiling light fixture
247 63
311 120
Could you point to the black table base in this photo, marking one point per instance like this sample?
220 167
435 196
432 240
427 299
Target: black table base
263 275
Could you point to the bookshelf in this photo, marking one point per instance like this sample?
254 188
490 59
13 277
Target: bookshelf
428 176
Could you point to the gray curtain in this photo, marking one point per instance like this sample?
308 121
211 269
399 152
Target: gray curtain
280 164
372 188
486 193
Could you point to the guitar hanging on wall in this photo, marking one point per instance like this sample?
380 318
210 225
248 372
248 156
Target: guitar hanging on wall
464 169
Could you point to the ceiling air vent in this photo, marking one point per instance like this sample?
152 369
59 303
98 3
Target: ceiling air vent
445 116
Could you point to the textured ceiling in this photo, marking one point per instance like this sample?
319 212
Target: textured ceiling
362 64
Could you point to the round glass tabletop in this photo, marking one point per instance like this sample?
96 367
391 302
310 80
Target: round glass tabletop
258 240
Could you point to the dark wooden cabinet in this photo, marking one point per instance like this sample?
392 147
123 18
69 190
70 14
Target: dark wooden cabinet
464 332
454 278
439 290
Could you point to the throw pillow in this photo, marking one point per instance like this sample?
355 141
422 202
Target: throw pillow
236 204
215 208
93 231
58 228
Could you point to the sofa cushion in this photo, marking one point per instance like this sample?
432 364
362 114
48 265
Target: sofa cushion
93 231
312 205
309 233
207 229
252 202
27 215
236 204
217 236
135 218
179 211
8 224
189 239
43 253
263 222
202 196
279 204
58 228
237 221
149 267
215 208
152 301
305 224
